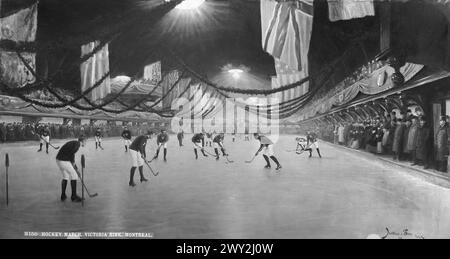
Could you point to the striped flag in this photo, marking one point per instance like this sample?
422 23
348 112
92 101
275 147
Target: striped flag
286 30
94 69
18 27
286 76
168 82
292 64
350 9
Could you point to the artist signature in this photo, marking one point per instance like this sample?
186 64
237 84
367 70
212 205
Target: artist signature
404 234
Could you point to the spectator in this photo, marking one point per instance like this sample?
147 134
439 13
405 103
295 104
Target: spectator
441 143
412 138
406 154
397 143
422 144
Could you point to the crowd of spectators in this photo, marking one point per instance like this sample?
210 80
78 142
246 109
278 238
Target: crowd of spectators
13 132
405 137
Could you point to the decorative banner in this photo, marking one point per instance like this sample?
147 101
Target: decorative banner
368 86
168 82
13 71
286 31
18 27
152 73
95 69
21 26
350 9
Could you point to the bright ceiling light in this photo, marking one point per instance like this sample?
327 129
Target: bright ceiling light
190 4
236 73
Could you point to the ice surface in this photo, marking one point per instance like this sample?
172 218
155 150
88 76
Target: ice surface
342 195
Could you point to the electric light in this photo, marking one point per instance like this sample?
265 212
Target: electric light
190 4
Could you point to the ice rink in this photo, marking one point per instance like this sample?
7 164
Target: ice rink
342 195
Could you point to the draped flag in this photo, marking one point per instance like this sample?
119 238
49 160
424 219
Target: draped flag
167 84
350 9
152 73
94 69
286 76
287 29
19 27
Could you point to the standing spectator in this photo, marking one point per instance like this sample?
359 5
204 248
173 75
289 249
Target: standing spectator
422 144
406 153
441 142
341 137
397 144
412 138
2 132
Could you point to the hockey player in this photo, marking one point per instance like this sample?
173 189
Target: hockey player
161 142
126 135
138 154
66 163
45 138
209 139
98 138
302 145
267 147
199 142
313 143
218 143
180 137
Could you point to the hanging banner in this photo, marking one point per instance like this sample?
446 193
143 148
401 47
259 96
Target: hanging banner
95 69
350 9
152 73
18 27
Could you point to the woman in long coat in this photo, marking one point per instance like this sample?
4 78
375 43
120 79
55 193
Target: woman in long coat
442 151
412 138
397 143
422 144
406 152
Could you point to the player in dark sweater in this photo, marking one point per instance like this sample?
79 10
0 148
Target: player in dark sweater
126 135
199 142
218 143
138 154
98 138
161 141
45 138
66 163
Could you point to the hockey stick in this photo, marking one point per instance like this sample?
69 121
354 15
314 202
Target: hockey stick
151 169
157 152
251 161
82 180
7 179
50 144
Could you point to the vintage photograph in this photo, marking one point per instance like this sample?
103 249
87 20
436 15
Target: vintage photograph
224 119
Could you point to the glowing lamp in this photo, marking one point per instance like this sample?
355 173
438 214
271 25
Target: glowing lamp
190 4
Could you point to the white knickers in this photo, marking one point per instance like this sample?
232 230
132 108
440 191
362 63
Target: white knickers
127 142
136 158
315 145
45 139
162 145
216 145
98 139
268 151
198 145
67 170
